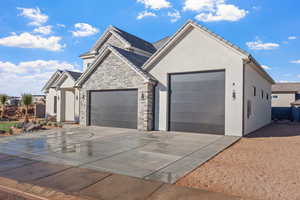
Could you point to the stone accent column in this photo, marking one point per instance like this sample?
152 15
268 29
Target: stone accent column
145 115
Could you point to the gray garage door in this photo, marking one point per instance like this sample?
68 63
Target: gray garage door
116 108
197 102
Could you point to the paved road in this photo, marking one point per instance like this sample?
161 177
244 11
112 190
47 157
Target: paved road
53 181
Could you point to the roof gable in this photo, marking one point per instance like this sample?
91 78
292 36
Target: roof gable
52 80
133 60
68 78
184 30
129 41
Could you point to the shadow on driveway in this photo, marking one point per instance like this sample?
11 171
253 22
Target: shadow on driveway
277 129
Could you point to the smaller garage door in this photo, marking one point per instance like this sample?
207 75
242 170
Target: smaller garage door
117 108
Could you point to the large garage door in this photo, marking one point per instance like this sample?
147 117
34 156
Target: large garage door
114 108
197 102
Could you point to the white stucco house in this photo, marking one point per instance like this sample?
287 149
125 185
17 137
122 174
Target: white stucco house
286 101
62 97
193 81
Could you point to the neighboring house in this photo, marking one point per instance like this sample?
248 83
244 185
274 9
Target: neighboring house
62 96
286 101
13 101
194 81
38 99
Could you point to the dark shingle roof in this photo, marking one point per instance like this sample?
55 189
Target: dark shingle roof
286 87
75 75
158 44
136 41
136 59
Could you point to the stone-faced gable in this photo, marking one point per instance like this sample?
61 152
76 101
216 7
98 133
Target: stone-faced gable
112 73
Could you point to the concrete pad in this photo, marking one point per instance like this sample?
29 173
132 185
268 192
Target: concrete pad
72 180
158 155
172 192
33 171
183 166
14 163
135 163
57 160
121 187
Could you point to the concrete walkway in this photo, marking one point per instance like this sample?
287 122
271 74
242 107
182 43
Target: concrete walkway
27 179
159 156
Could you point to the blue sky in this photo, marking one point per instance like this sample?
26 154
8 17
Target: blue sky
39 36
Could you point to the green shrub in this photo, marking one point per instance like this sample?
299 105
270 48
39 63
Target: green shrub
10 131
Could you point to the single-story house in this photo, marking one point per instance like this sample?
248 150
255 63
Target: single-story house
62 98
286 101
193 81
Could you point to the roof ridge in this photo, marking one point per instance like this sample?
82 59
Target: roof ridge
130 34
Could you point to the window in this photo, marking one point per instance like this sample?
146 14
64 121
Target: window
274 97
55 104
254 91
262 94
267 96
249 109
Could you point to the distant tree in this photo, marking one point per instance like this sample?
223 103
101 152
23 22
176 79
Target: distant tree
3 99
26 101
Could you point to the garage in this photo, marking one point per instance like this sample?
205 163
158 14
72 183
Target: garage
114 108
197 102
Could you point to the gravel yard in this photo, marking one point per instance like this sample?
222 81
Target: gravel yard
265 165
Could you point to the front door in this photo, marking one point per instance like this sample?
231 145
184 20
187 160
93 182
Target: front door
69 105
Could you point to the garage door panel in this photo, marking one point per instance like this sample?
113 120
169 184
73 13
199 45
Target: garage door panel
197 102
116 108
191 127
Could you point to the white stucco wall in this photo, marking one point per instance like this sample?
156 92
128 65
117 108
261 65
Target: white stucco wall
68 83
283 99
68 104
50 102
260 107
86 62
199 51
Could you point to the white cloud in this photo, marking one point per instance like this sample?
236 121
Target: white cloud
223 13
175 16
202 5
284 81
46 30
292 37
29 76
155 4
214 10
266 67
295 61
61 25
84 30
35 15
259 45
27 40
145 13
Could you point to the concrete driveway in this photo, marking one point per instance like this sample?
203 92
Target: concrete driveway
160 156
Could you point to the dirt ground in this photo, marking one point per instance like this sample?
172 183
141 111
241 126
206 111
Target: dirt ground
264 165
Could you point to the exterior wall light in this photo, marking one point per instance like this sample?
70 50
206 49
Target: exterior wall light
234 95
142 96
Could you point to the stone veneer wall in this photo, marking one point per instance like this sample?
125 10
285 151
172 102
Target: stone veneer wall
113 73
